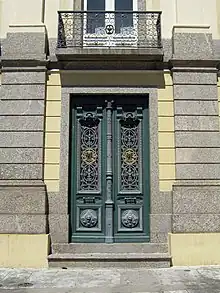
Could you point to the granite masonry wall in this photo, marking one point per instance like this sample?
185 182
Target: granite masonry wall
196 199
22 107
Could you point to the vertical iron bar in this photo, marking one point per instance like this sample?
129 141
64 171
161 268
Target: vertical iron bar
109 202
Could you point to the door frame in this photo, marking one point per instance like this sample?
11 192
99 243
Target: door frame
156 205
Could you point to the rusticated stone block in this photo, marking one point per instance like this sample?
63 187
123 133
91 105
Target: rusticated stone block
18 123
21 171
192 46
21 139
23 92
195 92
195 78
21 155
196 200
23 223
196 223
28 107
22 200
21 77
196 123
198 171
198 155
197 139
196 107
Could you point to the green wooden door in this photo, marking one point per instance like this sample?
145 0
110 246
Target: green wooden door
109 169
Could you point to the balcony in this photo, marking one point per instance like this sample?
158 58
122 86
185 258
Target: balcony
101 33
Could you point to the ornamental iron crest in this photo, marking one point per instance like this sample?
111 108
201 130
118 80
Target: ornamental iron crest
130 218
109 29
88 218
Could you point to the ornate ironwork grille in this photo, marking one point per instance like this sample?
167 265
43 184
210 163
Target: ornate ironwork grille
109 29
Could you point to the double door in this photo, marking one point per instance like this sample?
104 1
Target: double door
109 169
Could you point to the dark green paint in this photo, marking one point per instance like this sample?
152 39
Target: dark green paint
127 236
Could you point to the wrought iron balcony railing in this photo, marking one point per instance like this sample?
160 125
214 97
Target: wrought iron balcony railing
111 29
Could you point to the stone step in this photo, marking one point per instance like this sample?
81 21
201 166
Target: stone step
78 248
105 260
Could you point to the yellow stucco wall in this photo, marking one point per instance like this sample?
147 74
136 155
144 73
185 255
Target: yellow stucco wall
24 251
166 134
195 249
52 132
219 95
165 118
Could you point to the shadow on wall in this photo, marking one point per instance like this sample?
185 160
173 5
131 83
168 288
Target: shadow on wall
113 79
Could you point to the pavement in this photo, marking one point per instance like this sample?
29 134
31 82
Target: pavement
171 280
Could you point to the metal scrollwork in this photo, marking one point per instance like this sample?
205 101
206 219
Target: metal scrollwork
129 152
88 218
89 152
109 29
124 29
130 218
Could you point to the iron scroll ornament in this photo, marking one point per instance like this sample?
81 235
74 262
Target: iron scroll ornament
89 152
109 29
130 218
88 218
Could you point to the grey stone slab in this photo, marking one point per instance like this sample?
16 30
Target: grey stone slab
216 47
59 228
23 78
57 203
192 46
195 223
21 155
15 278
113 264
162 204
22 200
197 200
23 92
117 248
20 223
52 48
26 45
160 223
195 78
196 123
196 107
197 171
157 237
167 49
21 171
21 139
25 123
197 139
197 155
195 92
27 107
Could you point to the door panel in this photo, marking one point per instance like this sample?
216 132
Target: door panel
109 170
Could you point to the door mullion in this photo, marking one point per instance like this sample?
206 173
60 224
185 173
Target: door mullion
109 204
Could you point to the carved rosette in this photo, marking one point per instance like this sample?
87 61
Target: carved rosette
130 218
88 218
